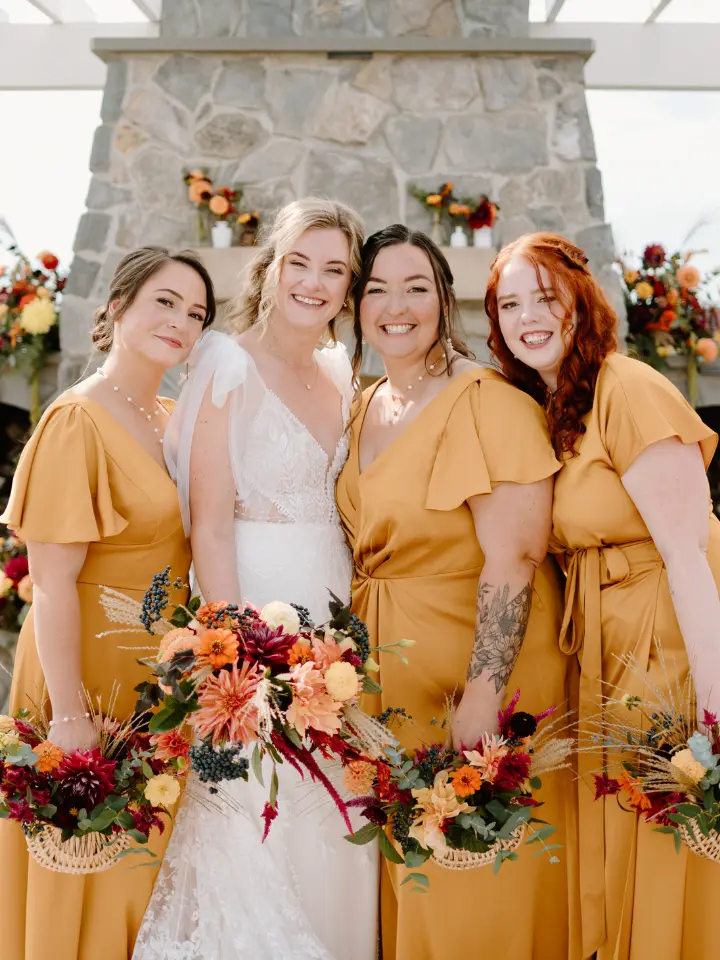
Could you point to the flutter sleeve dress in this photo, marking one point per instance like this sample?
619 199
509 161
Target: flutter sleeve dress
639 898
83 478
417 567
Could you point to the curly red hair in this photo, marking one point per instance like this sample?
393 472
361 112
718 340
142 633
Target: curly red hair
579 294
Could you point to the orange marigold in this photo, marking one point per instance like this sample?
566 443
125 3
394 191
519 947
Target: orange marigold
50 756
466 780
219 646
433 199
638 800
300 653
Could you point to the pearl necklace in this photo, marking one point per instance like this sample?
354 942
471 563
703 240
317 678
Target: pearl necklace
400 403
148 416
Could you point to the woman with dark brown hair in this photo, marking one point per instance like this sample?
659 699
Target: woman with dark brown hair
446 499
633 525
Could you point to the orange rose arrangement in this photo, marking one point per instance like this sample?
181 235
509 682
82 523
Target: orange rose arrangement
216 204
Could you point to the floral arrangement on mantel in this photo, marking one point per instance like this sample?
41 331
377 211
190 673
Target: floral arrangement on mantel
30 295
463 810
220 205
16 587
666 769
479 215
670 312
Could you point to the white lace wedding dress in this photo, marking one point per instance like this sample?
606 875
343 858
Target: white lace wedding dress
306 893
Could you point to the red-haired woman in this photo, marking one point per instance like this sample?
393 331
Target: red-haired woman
632 517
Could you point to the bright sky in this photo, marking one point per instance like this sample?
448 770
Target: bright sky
658 153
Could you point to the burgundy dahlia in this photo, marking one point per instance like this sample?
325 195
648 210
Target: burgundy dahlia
654 255
522 724
266 645
16 569
513 770
86 778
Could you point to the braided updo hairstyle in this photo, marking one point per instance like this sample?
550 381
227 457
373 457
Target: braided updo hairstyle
131 274
580 295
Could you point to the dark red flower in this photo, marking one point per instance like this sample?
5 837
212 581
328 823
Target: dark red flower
605 786
86 778
16 779
654 255
20 811
40 795
353 658
384 788
522 725
266 645
513 770
16 568
48 260
526 802
269 814
658 288
27 732
147 817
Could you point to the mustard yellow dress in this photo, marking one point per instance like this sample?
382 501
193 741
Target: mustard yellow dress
417 566
83 478
640 900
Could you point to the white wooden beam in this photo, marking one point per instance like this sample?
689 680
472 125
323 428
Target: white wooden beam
150 8
65 11
660 5
553 9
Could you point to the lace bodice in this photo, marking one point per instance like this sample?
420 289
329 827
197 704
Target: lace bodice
281 471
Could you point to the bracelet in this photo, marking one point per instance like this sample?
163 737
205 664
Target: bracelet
52 723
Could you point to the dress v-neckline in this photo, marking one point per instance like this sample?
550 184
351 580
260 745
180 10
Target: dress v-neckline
83 398
393 443
296 419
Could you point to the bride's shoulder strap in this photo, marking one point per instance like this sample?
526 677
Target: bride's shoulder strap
336 361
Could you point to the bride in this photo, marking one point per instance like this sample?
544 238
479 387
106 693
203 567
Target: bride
255 446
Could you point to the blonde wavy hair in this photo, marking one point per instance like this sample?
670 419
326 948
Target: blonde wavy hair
256 301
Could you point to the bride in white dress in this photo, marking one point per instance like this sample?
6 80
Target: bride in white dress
255 445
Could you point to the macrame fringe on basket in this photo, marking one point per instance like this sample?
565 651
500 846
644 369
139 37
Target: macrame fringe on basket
79 855
465 860
695 839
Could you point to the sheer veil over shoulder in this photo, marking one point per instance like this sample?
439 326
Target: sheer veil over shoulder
306 893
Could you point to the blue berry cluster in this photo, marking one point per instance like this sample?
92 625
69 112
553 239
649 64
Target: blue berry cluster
386 717
213 765
359 633
157 598
306 621
401 823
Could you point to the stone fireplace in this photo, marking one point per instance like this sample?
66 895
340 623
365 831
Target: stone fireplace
353 99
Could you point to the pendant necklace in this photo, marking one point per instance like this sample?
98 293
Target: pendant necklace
143 411
399 401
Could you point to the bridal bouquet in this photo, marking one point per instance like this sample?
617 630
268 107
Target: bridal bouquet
81 810
267 681
463 810
668 769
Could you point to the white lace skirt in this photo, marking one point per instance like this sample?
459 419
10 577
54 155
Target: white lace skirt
306 893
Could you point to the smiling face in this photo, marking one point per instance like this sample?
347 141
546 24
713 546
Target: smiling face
400 306
532 319
314 279
166 317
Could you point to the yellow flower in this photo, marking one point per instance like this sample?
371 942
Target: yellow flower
38 316
7 724
162 791
25 589
341 680
6 584
278 614
631 277
644 290
9 740
3 310
686 762
666 350
43 293
433 199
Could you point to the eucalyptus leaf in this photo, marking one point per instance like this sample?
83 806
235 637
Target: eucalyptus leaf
388 850
365 834
256 764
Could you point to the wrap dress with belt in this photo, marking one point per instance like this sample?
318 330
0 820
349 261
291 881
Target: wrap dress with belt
639 898
417 566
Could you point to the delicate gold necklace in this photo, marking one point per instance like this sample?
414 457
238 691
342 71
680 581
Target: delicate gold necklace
308 386
399 401
143 411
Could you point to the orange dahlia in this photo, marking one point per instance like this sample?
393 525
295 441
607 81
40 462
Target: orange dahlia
466 780
227 712
219 646
199 191
50 756
688 276
170 745
219 205
359 776
300 653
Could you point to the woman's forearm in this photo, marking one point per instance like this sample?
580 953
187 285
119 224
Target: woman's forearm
215 563
697 607
57 636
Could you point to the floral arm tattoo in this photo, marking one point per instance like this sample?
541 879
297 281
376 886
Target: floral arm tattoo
500 626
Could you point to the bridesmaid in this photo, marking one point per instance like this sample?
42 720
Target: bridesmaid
632 521
92 499
446 500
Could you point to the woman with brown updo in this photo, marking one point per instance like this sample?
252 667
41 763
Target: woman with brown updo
94 502
632 523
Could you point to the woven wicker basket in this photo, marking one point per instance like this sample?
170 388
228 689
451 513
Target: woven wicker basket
708 847
90 854
464 860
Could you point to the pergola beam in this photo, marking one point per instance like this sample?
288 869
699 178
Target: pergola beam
553 9
61 11
150 8
660 5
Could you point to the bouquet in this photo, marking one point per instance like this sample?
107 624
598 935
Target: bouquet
220 203
268 681
463 810
484 214
670 311
444 205
16 587
29 298
668 770
81 810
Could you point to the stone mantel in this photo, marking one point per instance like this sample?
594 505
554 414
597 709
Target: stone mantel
470 267
107 47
